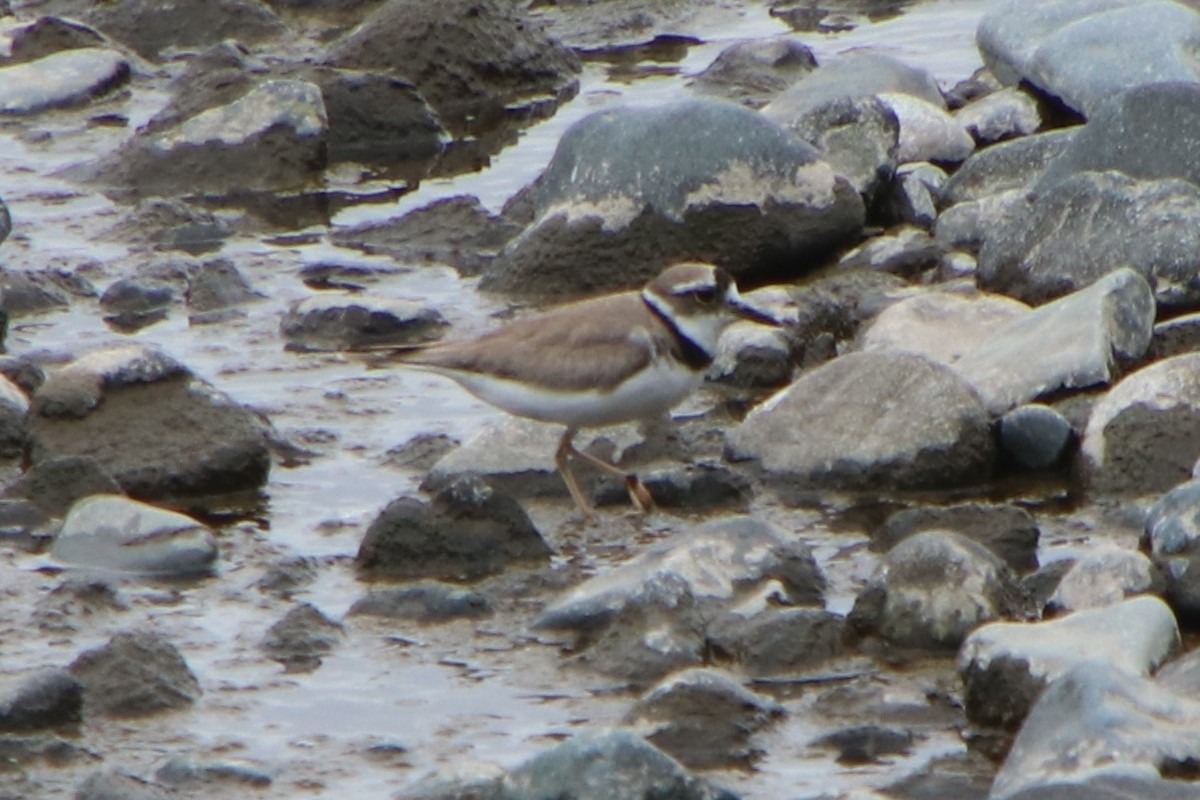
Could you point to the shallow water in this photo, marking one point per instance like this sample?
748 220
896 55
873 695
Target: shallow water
446 695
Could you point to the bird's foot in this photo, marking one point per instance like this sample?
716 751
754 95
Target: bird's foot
642 500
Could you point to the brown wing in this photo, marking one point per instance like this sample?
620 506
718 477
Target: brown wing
578 346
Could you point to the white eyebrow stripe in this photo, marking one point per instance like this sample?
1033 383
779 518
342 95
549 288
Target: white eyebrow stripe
700 283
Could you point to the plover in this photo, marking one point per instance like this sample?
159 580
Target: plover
610 359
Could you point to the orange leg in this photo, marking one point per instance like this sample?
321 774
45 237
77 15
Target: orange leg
639 495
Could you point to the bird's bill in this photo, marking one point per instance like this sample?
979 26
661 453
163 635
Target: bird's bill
746 311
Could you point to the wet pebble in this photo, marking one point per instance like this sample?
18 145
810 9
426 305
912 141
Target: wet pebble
754 71
47 698
133 675
469 530
110 532
1103 576
355 321
55 484
1004 114
1172 539
301 638
426 601
1009 531
865 744
1035 436
183 773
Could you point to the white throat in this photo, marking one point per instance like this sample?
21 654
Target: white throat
703 330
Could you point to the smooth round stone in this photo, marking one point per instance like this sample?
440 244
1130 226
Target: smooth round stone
1035 435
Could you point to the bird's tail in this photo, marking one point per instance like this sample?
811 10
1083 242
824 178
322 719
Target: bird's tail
380 356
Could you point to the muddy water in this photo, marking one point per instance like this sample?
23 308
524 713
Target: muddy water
393 701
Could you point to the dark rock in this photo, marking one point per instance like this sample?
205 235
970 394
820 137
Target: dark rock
47 35
1005 114
629 189
14 422
113 405
1078 341
25 526
135 674
427 601
1083 53
912 199
1005 665
46 699
27 293
75 602
858 135
184 773
690 487
270 139
468 531
967 225
170 225
1034 252
1009 165
457 231
609 764
300 639
1038 586
777 640
753 72
109 532
1103 576
356 321
1099 723
472 60
22 371
858 73
1035 436
378 119
704 718
927 131
134 303
1172 538
1009 531
1175 337
961 776
150 27
864 744
217 285
289 575
55 484
116 784
1147 133
1141 436
907 251
869 420
751 356
420 452
931 590
833 309
61 80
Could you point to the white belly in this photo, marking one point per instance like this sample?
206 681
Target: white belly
649 393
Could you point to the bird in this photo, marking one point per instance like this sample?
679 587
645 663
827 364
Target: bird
596 362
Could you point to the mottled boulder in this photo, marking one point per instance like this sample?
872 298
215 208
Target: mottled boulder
1088 225
47 698
159 430
1009 531
1143 436
1096 726
630 189
1172 538
1080 340
1005 114
657 612
354 321
150 27
883 420
270 139
135 674
703 717
1103 576
1149 133
752 72
468 531
1007 165
1085 51
1006 665
109 532
931 590
472 60
62 80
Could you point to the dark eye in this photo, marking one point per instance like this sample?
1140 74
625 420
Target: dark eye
705 296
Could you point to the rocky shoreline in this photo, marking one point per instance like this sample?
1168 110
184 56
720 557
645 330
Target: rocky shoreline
934 537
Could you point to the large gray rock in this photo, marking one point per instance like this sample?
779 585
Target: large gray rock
109 532
1144 435
1000 115
46 698
1008 165
1097 723
1035 436
1102 576
1009 531
931 590
927 131
1005 665
1149 133
881 420
64 79
1078 341
135 674
159 430
753 71
655 613
150 27
1090 224
1086 51
473 60
270 139
352 321
630 189
859 73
